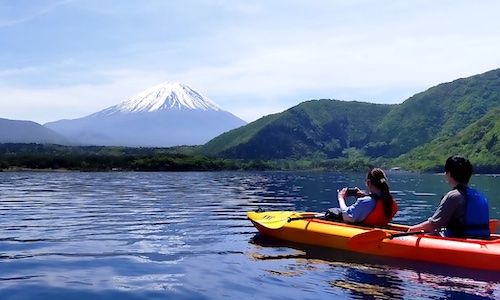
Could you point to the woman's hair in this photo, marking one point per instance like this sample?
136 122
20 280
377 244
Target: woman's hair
376 176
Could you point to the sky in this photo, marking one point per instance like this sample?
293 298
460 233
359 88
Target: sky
66 59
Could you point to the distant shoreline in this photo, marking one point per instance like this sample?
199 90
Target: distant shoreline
63 170
15 169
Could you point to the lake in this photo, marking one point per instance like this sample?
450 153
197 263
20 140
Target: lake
127 235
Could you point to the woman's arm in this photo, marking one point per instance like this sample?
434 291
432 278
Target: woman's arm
357 211
341 197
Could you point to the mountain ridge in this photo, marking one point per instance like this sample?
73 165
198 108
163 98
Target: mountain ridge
20 131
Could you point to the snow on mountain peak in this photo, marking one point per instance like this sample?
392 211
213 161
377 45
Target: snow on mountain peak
170 95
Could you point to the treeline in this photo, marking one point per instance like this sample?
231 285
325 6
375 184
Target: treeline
160 162
100 158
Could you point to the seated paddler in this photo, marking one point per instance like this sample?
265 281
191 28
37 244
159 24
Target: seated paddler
375 208
463 211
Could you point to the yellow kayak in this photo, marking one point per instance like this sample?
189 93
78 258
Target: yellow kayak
392 241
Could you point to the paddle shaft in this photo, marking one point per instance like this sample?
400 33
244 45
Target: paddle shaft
391 236
305 217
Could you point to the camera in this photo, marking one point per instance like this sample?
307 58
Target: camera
351 192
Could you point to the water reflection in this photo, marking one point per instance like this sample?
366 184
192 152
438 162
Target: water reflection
372 277
370 281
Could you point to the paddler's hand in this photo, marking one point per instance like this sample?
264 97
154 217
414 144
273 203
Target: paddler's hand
341 197
342 193
359 193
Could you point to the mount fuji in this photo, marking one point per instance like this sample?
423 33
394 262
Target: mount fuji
169 114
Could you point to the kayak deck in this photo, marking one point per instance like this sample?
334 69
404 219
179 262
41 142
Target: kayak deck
307 228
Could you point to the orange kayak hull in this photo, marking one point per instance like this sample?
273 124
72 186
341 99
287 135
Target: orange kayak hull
461 252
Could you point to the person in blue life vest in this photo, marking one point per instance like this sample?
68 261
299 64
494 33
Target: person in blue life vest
463 211
377 208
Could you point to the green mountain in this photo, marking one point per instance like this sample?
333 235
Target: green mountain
442 110
459 116
316 127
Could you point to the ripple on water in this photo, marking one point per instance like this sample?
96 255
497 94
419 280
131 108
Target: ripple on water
186 236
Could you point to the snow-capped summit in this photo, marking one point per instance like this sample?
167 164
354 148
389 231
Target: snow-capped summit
169 114
169 95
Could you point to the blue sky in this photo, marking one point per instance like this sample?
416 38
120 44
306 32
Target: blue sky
67 59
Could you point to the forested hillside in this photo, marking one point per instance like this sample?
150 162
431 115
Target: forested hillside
321 128
441 111
455 117
479 142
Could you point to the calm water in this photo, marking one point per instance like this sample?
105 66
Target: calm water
186 236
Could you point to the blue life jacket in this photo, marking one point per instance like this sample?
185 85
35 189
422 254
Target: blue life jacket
477 218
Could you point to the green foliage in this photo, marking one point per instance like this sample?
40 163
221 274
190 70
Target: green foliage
478 142
417 134
443 110
317 126
55 157
235 137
